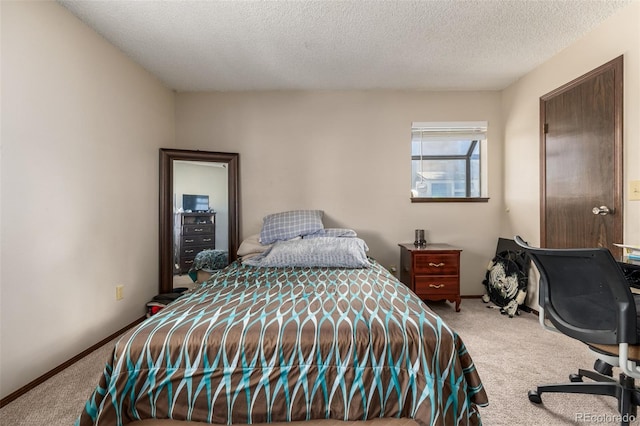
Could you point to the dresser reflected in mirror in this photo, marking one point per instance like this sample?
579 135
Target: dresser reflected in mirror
198 214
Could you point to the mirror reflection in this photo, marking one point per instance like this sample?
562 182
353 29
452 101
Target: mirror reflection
201 218
198 215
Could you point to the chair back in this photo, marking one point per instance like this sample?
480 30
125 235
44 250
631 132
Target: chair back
584 293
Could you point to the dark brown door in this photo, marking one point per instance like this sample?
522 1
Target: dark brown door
581 161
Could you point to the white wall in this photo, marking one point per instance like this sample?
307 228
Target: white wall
349 154
619 35
81 129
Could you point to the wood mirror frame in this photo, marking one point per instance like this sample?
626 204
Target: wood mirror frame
167 157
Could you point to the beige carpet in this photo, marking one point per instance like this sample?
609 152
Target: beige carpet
511 354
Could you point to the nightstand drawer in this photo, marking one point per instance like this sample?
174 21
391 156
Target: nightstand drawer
188 255
197 229
436 285
186 264
436 264
198 240
190 252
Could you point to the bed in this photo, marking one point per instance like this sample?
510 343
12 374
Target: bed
259 343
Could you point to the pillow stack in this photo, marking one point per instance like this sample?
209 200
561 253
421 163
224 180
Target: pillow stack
288 225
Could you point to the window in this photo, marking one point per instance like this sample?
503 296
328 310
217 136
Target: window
446 161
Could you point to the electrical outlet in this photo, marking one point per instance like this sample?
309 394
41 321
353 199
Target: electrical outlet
634 190
393 268
119 292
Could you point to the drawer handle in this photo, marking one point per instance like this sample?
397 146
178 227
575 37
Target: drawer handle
206 240
436 265
188 241
188 261
436 285
188 251
199 229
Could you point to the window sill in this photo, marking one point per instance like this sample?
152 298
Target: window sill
449 200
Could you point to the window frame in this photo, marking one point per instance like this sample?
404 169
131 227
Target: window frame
475 132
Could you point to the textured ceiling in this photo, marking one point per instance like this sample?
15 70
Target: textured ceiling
279 45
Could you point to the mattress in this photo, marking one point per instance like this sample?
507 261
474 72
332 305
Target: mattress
263 345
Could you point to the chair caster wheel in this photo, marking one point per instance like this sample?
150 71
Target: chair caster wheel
603 368
534 397
575 378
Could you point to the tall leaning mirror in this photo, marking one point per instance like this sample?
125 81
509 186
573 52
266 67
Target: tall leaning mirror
198 211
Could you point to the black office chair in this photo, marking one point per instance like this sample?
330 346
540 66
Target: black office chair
583 293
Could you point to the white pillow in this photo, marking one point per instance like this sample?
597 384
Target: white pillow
251 245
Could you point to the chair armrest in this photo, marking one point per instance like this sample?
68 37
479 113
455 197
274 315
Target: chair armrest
630 368
547 325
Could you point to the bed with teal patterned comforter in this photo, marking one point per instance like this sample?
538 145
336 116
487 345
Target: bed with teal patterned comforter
257 345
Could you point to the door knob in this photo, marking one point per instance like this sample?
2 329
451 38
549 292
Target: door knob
602 210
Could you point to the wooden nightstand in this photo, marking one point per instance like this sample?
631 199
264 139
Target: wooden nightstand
432 271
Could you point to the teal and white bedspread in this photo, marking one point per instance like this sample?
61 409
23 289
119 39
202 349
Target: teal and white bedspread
256 345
